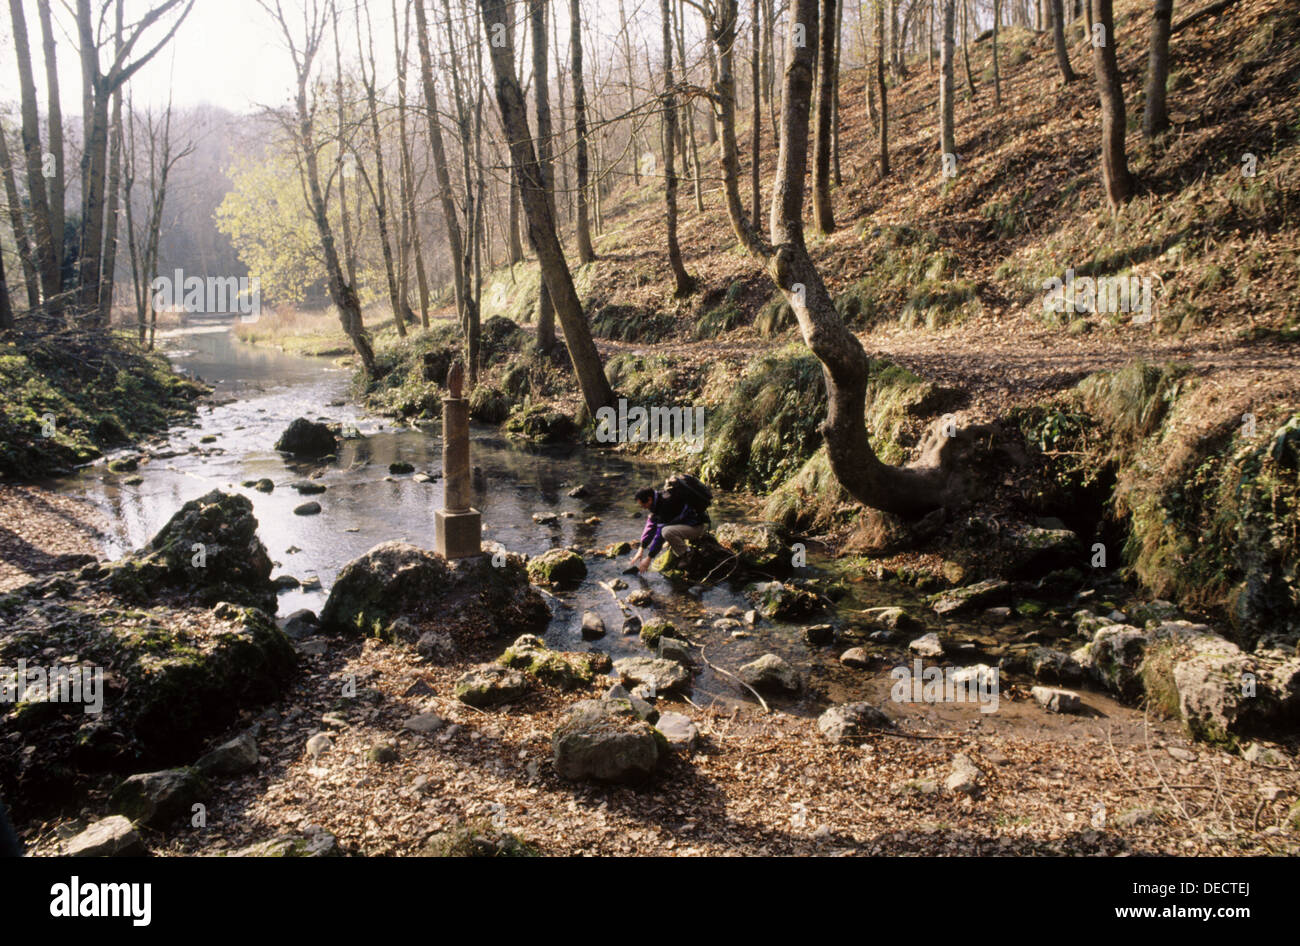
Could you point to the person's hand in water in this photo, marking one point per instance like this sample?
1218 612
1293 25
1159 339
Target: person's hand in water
644 565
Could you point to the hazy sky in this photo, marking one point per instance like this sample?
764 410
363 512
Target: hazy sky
230 52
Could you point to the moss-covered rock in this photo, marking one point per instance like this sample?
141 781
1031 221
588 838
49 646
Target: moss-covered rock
208 550
652 631
564 671
557 567
489 685
781 601
484 594
540 423
757 545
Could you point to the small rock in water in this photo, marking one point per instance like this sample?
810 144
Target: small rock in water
751 617
927 645
422 478
618 584
264 486
857 657
632 625
545 518
307 509
593 627
579 491
733 612
400 468
770 673
308 488
819 634
311 584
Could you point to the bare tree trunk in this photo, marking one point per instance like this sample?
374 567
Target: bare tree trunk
541 101
6 307
947 137
823 211
756 114
1058 40
688 109
441 174
586 253
595 387
341 163
929 36
965 49
880 84
909 491
835 96
343 293
21 238
54 121
46 257
997 75
1155 116
685 284
378 188
1114 159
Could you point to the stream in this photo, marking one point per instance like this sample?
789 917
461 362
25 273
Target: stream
259 391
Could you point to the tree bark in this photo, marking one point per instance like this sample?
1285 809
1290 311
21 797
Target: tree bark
54 120
997 75
42 232
1114 159
823 211
910 491
880 85
596 391
1155 116
441 175
21 238
1058 40
586 252
965 49
685 285
542 103
756 112
947 136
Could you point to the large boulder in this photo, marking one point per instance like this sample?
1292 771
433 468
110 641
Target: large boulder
483 595
557 567
157 798
757 545
605 740
1033 552
306 438
208 550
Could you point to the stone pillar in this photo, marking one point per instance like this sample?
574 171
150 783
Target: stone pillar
456 525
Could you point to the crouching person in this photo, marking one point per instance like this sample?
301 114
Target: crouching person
675 515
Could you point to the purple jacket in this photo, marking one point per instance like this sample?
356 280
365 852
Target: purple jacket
664 512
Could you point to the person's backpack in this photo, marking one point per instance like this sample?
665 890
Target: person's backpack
689 488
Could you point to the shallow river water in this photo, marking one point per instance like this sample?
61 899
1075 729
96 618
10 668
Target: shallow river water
259 391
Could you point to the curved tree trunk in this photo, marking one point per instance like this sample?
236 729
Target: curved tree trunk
596 391
54 121
823 211
906 491
1155 117
21 239
1114 159
1058 40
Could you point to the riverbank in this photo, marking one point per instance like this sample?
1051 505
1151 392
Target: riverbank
69 396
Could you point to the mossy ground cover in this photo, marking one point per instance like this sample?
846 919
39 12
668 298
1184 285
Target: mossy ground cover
67 398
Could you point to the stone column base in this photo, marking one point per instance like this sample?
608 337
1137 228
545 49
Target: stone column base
457 534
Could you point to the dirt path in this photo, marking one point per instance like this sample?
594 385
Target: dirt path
42 531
